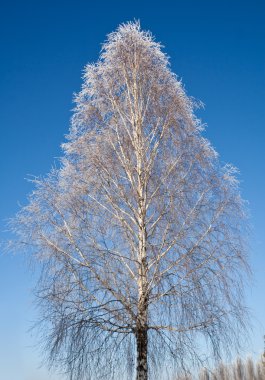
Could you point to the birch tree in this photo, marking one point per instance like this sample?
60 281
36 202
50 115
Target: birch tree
139 231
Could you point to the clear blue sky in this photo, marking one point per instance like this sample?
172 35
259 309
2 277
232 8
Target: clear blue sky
216 47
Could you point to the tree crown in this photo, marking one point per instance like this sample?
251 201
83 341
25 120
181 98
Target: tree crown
141 228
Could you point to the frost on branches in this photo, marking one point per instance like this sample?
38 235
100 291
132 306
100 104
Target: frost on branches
139 232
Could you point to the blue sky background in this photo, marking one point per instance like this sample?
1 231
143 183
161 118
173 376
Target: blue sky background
216 47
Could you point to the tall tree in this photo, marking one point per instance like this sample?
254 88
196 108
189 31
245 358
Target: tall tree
139 232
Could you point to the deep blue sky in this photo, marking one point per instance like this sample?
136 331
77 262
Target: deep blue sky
216 47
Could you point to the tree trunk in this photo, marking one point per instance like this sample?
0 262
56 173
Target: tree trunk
141 342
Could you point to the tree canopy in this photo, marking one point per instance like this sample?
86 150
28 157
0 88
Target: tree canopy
140 231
